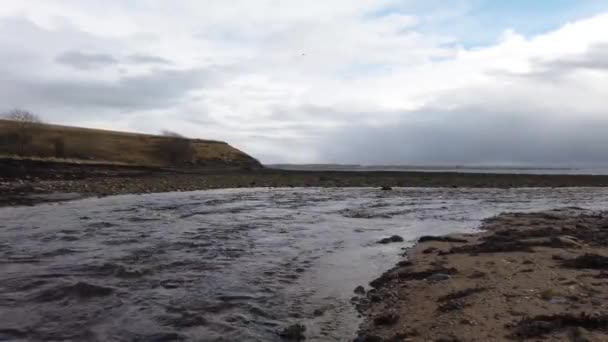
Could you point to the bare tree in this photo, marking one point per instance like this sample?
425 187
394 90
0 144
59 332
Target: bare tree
174 148
22 116
26 123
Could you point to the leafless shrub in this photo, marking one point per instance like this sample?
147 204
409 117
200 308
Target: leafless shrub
26 124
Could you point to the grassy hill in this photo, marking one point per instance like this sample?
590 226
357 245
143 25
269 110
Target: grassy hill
85 145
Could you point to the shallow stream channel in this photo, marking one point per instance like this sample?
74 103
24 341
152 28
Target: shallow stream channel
224 265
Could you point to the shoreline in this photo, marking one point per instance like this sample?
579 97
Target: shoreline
29 182
523 276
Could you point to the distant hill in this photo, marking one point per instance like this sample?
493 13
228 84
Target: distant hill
76 144
438 168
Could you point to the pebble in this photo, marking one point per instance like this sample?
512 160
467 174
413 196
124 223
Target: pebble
388 318
439 277
394 238
360 290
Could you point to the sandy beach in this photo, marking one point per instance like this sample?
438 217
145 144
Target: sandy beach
526 276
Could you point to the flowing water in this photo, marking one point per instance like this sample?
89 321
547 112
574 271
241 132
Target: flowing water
223 265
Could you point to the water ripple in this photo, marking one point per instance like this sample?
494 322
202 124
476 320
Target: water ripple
224 265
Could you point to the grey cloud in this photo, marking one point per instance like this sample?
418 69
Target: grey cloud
89 61
596 58
85 61
311 113
198 119
148 59
156 90
473 136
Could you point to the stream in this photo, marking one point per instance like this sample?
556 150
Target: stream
224 265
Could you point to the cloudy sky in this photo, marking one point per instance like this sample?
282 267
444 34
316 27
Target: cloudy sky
317 81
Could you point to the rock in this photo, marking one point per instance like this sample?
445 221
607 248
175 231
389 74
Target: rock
452 305
541 326
566 241
318 312
467 322
388 318
439 277
406 335
392 239
293 332
386 188
360 290
375 298
577 334
550 294
559 300
571 238
368 338
441 239
430 250
587 261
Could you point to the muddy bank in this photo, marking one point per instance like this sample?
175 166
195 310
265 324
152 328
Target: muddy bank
23 182
535 276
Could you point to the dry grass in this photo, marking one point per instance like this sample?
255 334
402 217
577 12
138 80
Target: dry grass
102 146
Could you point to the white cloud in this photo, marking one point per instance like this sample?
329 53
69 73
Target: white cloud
279 79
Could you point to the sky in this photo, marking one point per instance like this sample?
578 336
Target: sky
468 82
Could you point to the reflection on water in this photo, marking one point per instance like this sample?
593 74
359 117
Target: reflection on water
224 265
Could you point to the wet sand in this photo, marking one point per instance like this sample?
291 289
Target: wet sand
535 276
